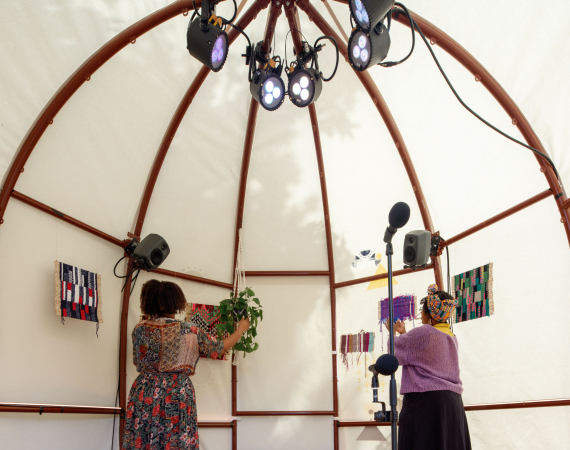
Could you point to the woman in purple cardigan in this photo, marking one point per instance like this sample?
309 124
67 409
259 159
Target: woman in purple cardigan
432 416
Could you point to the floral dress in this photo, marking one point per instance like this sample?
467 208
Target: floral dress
161 411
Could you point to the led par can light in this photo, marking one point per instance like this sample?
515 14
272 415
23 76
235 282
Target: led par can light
208 44
367 13
267 89
366 49
305 86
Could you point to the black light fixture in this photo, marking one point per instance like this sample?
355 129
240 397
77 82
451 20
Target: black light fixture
206 40
369 41
305 84
368 48
367 13
265 83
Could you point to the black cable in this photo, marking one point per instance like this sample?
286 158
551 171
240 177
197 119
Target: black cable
134 280
286 36
409 16
195 9
414 24
115 269
333 40
224 21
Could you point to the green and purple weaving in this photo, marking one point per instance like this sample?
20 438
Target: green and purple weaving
474 293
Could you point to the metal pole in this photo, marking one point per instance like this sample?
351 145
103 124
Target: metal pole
393 388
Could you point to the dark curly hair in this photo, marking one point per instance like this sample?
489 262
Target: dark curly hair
161 297
442 296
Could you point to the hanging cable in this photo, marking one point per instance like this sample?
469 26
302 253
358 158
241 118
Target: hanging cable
395 63
413 24
333 40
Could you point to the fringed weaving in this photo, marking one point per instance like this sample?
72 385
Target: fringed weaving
473 291
404 309
362 342
77 294
204 317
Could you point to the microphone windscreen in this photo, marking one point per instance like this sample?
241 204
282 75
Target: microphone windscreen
399 215
387 364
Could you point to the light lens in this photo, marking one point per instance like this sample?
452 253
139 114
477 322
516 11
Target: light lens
269 86
276 92
219 51
356 52
361 50
358 4
305 94
296 89
304 82
268 99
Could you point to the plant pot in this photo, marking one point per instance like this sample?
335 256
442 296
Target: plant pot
241 313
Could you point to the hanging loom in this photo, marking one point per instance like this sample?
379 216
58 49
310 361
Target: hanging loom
474 293
404 309
203 316
77 294
362 342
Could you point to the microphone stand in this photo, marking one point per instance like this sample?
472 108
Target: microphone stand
393 389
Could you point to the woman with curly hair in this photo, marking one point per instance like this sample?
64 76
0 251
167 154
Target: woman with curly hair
161 410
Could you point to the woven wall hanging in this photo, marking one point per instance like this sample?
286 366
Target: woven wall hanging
474 293
404 309
202 316
360 343
78 294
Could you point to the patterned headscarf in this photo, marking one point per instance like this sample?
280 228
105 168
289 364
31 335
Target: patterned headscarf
439 309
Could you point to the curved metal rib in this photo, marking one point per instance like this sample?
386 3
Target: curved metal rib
74 82
384 111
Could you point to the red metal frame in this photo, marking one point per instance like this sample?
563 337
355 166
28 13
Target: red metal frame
274 13
287 273
380 277
389 121
509 212
58 214
438 37
123 39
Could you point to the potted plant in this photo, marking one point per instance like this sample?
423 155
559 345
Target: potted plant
231 310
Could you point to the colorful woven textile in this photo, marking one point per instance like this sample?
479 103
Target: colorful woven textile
77 293
439 309
202 316
473 291
404 308
362 342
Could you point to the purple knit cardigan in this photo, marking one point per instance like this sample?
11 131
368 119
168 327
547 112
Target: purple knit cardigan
429 360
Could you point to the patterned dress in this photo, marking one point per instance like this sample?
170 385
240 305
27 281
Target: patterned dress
161 411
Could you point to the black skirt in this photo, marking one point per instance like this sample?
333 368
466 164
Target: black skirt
433 420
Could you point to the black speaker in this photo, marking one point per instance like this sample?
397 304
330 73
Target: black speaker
151 252
417 246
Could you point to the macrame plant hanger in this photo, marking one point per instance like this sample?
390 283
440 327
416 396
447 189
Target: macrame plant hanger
239 279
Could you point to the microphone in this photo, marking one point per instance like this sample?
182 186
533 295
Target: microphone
398 217
386 364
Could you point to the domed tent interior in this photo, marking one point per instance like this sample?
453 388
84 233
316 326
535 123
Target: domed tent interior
111 131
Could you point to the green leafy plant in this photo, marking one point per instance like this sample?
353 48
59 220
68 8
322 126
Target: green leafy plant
231 310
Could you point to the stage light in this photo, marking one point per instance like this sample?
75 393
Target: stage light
207 43
268 89
367 13
305 86
368 48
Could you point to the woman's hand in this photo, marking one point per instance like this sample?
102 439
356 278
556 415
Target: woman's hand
399 327
243 325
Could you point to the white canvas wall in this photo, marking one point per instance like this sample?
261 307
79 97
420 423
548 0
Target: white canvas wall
93 163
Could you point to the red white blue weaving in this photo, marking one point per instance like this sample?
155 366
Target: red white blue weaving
77 293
